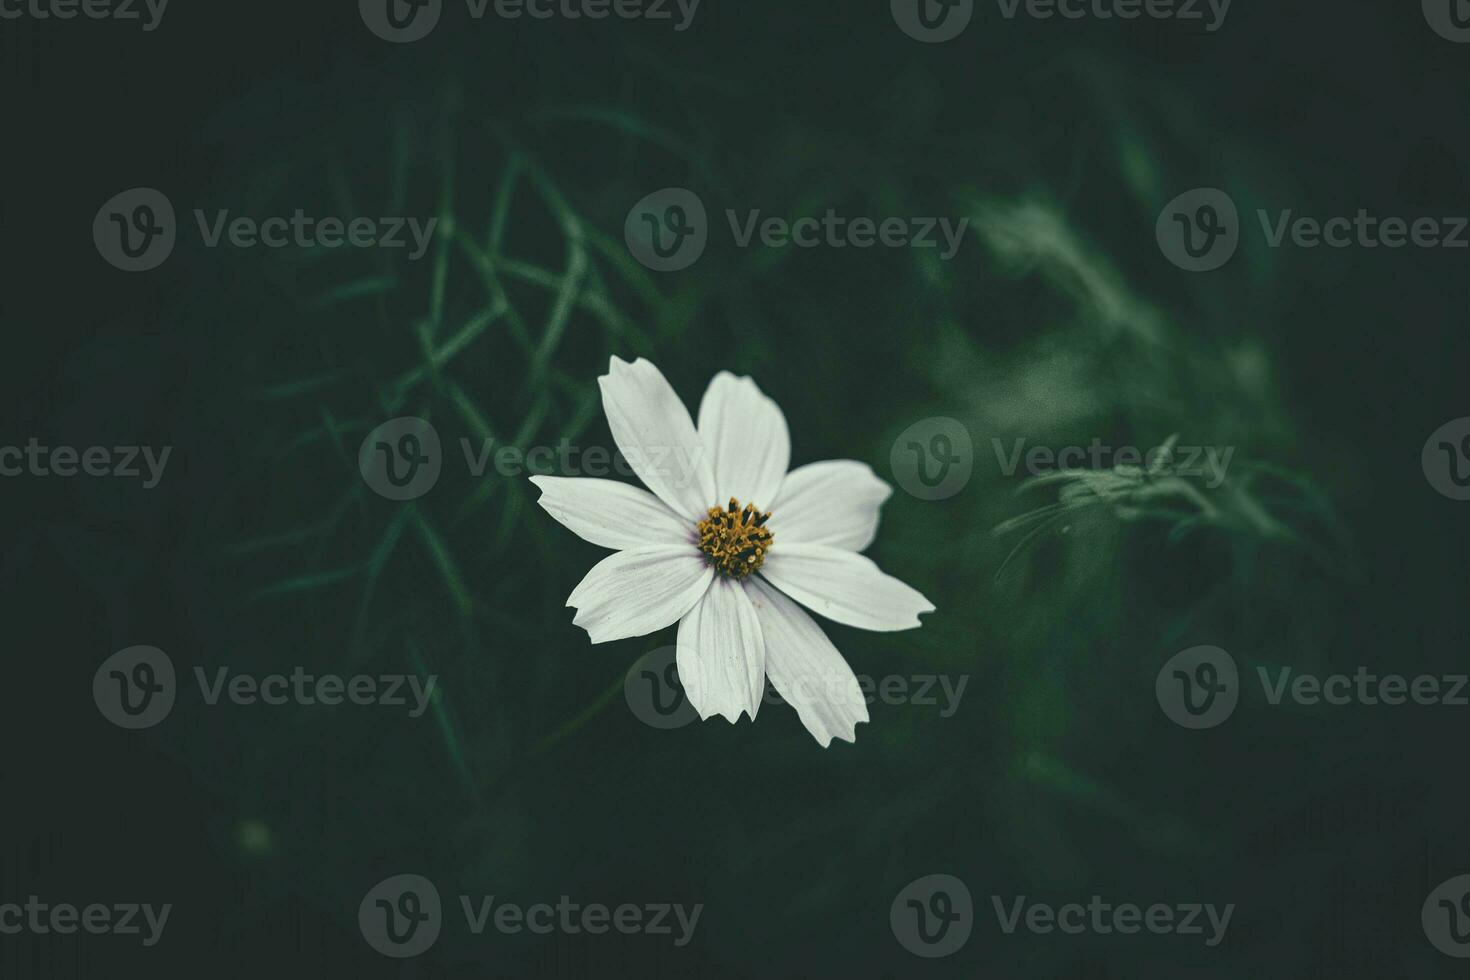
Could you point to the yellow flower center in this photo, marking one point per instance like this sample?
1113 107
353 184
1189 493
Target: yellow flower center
735 540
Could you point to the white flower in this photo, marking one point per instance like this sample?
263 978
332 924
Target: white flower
700 550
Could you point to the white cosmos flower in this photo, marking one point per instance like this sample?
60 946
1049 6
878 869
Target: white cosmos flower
724 544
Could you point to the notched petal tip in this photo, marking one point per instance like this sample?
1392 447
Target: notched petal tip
705 714
732 718
595 636
616 365
923 609
577 620
849 736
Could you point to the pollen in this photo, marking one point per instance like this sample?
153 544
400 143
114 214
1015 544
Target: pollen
735 540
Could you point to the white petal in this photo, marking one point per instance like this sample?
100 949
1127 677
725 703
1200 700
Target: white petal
844 587
746 436
633 593
722 658
834 503
806 669
612 514
655 434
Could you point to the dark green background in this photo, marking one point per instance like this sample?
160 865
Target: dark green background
1059 321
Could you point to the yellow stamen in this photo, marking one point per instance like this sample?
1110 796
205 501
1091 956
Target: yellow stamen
735 540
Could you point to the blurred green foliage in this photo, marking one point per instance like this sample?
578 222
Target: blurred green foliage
1058 596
